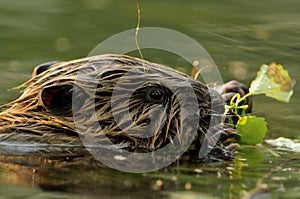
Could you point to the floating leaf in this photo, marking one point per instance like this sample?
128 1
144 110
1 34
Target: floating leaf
273 81
285 143
252 129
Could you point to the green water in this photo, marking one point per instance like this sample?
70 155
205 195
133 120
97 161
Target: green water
239 36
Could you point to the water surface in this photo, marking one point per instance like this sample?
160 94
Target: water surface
239 36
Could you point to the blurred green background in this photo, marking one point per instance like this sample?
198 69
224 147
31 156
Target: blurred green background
239 36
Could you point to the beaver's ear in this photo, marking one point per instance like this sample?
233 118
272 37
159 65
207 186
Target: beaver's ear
43 67
58 99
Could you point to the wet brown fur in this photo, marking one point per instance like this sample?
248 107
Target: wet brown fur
29 120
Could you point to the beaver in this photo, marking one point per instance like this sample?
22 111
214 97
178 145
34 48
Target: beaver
136 104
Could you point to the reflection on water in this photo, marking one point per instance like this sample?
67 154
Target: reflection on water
254 168
239 35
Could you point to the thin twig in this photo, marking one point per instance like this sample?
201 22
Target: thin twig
138 28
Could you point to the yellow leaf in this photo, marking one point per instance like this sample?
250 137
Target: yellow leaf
273 81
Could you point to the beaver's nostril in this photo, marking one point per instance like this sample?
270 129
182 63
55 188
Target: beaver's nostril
155 95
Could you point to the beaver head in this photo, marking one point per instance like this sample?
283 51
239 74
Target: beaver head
126 101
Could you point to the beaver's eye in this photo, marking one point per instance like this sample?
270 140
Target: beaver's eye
155 95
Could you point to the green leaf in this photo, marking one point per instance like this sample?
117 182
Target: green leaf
273 81
252 129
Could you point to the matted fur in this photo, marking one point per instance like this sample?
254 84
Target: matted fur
29 120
